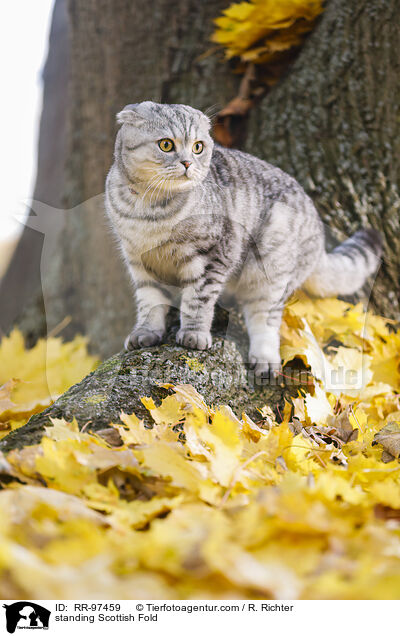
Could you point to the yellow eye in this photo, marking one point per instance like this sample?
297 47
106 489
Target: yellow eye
166 145
197 147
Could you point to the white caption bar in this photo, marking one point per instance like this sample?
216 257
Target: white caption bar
311 618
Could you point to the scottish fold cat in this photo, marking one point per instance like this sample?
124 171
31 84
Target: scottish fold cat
203 219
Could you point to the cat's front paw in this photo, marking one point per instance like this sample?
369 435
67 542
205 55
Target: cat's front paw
194 339
142 337
265 369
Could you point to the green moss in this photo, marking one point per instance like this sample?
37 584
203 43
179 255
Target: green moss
95 399
109 364
193 363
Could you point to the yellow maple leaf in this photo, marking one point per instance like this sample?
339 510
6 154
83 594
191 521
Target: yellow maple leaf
259 30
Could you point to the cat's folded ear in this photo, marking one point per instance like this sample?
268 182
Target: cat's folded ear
130 115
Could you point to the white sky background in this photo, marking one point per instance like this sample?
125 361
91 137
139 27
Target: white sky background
24 30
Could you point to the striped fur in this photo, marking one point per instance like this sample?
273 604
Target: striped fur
227 222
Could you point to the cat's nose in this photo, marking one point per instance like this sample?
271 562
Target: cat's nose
186 164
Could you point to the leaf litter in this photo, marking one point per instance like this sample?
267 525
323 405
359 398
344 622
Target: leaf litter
206 504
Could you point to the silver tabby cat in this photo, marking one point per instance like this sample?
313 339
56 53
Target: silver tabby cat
200 219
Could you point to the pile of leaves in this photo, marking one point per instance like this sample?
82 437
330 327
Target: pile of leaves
32 379
206 505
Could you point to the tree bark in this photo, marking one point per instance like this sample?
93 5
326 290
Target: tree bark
334 124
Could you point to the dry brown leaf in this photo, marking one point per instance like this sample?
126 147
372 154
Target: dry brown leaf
341 427
389 438
5 392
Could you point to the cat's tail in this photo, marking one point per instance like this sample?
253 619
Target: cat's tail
346 269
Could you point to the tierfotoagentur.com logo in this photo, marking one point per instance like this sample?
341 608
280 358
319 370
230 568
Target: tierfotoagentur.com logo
26 615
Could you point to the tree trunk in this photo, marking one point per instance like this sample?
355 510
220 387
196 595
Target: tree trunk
20 288
334 124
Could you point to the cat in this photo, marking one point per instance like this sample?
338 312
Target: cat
205 219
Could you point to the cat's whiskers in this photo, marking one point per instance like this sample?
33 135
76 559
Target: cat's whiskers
163 183
156 184
157 190
153 184
169 190
212 111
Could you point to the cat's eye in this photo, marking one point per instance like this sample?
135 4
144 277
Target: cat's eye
197 147
166 145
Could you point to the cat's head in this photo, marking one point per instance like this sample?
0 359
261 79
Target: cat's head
164 146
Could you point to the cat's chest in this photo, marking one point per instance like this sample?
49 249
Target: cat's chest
169 262
165 247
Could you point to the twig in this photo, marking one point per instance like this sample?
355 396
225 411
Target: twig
58 328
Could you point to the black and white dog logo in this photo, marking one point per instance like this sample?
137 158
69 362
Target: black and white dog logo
26 615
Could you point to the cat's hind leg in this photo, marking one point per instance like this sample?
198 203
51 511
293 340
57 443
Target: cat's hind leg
262 295
263 320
